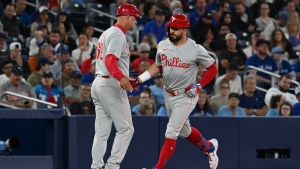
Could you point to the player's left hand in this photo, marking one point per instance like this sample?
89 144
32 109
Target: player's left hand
125 84
193 90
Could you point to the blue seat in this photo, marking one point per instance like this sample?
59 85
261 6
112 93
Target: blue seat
73 7
243 43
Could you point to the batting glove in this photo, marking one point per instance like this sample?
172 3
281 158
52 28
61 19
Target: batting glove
135 82
194 90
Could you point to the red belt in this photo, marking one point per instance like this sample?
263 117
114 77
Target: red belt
172 92
105 77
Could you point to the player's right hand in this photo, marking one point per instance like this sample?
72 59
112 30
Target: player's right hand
125 84
134 82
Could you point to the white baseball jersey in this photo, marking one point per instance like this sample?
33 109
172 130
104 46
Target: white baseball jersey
180 64
112 41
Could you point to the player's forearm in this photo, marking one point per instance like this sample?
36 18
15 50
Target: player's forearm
111 62
209 75
152 71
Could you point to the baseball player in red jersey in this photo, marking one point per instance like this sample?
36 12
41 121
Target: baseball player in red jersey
178 58
109 90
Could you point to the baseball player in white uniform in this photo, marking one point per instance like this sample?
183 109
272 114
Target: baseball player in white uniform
178 58
109 90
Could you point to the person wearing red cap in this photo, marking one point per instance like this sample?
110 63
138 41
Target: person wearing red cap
109 90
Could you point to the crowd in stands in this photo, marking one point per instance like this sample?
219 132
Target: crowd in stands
45 55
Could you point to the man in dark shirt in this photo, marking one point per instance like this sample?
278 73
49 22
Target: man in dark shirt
4 53
232 54
15 57
10 22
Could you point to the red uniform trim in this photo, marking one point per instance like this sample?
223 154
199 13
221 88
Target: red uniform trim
209 75
111 62
121 27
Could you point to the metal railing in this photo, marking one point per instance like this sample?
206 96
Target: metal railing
29 98
112 18
37 6
273 75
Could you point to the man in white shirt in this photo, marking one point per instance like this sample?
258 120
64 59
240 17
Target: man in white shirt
283 88
234 80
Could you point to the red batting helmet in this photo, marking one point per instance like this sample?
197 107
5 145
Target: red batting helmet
128 9
179 21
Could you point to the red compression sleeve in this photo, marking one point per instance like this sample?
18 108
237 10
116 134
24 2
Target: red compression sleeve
209 75
112 66
160 69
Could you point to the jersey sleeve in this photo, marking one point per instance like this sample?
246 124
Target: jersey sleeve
203 58
116 45
157 56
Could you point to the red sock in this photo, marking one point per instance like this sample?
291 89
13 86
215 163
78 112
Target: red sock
198 140
166 152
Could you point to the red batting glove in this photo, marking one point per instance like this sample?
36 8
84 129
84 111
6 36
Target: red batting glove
134 82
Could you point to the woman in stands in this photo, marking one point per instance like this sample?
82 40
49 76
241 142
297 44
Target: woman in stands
264 20
275 104
147 108
151 40
286 109
62 17
149 11
203 106
227 18
278 39
293 29
42 19
84 49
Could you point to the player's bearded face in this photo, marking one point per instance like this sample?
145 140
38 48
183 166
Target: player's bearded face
175 36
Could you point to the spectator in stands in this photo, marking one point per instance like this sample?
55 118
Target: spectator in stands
221 99
157 26
15 57
65 39
1 25
41 36
4 52
219 42
71 92
234 80
296 107
63 18
283 88
286 109
250 101
200 29
250 49
293 30
133 96
16 85
264 20
232 109
278 39
89 77
147 108
226 18
10 22
144 51
143 96
198 11
113 7
151 40
263 61
245 22
43 65
6 67
42 19
284 67
89 31
47 90
87 64
294 16
68 66
275 103
259 7
222 7
280 23
23 16
176 7
233 54
158 91
36 13
84 106
84 49
289 6
203 107
149 12
62 54
164 5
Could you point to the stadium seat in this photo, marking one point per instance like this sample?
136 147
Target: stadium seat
101 21
97 6
242 35
243 43
293 61
73 7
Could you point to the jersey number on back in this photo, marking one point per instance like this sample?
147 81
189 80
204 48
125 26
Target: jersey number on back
99 51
